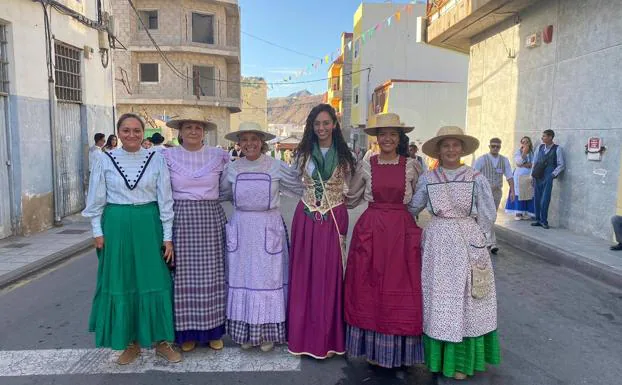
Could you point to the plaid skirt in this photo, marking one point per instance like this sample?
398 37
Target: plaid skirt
199 278
245 333
389 351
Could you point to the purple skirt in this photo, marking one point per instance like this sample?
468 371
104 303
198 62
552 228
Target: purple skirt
315 309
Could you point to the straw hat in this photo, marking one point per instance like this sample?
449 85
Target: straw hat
177 123
248 127
386 120
469 143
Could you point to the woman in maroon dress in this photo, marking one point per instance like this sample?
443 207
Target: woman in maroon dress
383 301
315 302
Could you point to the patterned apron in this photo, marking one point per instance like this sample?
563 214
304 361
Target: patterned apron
452 241
256 254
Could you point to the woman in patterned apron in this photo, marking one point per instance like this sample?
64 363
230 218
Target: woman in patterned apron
130 204
315 310
198 235
383 279
459 312
257 248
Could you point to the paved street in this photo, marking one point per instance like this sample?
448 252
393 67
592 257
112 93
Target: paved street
557 327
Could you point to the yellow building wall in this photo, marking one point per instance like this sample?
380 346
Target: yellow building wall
356 67
254 104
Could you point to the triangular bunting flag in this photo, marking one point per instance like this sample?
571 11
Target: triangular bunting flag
350 45
326 59
389 21
398 16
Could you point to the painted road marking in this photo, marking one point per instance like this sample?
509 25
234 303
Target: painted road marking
102 361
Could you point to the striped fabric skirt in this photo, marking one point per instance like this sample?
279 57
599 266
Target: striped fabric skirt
388 351
199 279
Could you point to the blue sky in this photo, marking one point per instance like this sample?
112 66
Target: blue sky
311 27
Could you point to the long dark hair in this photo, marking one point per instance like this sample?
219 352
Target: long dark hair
305 147
109 141
402 146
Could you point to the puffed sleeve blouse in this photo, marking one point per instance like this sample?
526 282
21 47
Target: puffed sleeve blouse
130 178
284 178
360 188
195 175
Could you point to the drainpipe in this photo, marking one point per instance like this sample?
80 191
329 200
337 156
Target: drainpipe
56 187
58 221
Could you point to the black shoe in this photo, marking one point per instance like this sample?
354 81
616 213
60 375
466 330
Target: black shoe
494 250
617 247
537 224
545 226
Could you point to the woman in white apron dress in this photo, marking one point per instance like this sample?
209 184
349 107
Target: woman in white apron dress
257 247
459 298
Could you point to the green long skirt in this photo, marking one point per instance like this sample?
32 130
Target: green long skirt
468 356
133 296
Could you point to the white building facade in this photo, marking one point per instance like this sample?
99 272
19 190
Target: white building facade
56 92
393 55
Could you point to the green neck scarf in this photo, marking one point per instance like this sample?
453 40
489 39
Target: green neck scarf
324 166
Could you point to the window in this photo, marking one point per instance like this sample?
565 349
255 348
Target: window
202 28
149 19
149 72
357 47
355 95
67 64
4 61
203 81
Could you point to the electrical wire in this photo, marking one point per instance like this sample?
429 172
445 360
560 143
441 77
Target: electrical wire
280 46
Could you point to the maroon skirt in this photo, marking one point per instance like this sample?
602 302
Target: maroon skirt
315 304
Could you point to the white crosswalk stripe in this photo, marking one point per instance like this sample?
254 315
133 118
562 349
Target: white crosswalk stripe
102 361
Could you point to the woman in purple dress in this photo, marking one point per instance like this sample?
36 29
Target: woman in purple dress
257 248
199 236
315 311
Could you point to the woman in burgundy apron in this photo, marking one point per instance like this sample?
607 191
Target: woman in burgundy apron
257 249
383 303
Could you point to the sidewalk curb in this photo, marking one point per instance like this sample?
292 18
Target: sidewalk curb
577 262
43 263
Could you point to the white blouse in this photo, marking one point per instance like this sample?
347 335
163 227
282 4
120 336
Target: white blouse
145 179
284 178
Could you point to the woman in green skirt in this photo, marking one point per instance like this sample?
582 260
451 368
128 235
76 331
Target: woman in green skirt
131 209
459 298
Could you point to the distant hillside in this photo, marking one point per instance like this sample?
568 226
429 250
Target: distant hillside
292 109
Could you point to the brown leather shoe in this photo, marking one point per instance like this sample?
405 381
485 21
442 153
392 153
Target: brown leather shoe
129 355
165 350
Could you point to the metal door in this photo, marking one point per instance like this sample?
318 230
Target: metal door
70 158
5 191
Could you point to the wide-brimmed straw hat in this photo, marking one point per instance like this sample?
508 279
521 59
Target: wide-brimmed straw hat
249 127
386 120
469 143
177 123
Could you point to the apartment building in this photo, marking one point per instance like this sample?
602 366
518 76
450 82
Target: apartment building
51 105
340 84
391 72
182 60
